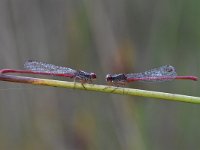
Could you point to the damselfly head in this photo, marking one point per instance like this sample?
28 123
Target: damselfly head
109 78
93 75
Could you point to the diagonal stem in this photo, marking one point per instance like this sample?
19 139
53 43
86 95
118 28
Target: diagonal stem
101 88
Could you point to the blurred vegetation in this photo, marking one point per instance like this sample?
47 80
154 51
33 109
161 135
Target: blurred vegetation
103 37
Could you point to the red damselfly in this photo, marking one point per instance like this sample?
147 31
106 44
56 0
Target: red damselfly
41 68
161 74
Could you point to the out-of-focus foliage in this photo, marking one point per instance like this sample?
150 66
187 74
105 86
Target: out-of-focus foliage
103 36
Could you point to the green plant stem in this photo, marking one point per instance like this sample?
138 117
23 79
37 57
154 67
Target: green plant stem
101 88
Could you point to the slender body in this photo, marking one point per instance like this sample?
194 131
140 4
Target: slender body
161 74
35 67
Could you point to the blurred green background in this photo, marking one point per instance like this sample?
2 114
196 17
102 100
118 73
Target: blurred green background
102 36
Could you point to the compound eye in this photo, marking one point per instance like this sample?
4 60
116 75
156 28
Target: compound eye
93 75
108 77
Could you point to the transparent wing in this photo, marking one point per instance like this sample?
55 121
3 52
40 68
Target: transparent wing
47 68
163 73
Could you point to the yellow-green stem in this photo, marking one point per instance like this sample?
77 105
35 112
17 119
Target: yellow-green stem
101 88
